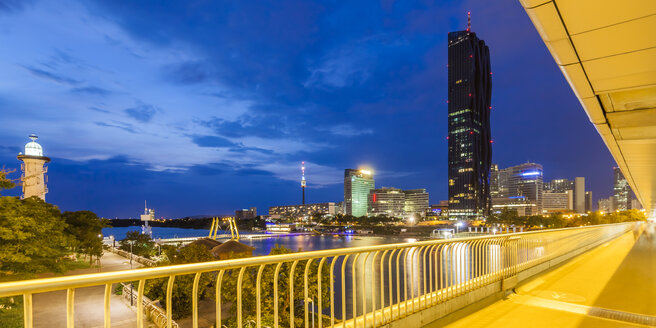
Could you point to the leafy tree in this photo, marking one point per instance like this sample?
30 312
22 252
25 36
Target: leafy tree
5 182
85 227
32 236
142 245
182 289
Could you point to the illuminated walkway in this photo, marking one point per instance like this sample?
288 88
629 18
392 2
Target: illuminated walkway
613 285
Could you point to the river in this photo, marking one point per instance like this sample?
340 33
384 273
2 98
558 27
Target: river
264 245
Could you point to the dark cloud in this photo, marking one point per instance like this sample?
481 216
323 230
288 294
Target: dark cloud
212 141
119 125
61 79
142 113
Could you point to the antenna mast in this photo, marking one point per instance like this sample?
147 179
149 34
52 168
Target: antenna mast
303 180
469 21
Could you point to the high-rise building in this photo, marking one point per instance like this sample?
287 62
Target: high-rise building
555 202
517 186
559 185
579 195
606 205
34 177
588 202
357 184
622 191
416 201
387 201
470 143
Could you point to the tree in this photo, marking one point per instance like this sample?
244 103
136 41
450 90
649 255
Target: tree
32 236
142 245
5 182
85 227
182 289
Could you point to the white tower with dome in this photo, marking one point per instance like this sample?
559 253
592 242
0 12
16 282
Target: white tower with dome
34 177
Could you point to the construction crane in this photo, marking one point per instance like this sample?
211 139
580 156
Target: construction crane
216 222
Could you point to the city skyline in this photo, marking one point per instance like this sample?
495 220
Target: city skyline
120 130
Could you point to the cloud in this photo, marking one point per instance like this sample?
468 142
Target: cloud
142 113
61 79
188 73
119 125
347 130
12 5
212 141
97 109
92 91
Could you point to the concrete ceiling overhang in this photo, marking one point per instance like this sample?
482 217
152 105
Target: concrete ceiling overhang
607 51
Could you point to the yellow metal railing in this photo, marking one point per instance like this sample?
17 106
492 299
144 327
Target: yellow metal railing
349 287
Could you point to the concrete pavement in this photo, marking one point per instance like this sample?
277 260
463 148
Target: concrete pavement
50 308
613 285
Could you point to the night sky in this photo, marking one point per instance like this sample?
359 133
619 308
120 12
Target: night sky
203 107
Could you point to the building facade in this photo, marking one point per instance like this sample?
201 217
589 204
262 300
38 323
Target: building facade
621 191
386 201
246 213
589 205
579 195
34 178
606 205
395 202
559 185
556 202
302 211
416 201
469 139
357 185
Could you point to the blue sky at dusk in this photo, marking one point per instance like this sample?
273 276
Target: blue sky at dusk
203 107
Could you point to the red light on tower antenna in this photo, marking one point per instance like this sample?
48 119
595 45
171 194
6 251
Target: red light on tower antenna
468 21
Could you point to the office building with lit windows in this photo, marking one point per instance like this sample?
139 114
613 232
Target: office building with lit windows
395 202
416 201
386 201
559 185
470 143
622 191
519 187
357 184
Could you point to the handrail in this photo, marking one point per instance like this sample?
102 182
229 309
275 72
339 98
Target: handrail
431 272
93 279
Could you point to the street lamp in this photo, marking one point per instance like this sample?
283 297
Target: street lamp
131 242
310 300
458 225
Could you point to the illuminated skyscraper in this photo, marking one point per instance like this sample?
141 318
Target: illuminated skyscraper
34 170
470 143
622 191
357 184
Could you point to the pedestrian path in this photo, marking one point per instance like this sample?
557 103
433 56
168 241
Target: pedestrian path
613 285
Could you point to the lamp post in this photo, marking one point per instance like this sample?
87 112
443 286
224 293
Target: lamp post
458 225
310 300
131 242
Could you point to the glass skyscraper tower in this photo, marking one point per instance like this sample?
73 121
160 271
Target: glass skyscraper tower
357 184
470 144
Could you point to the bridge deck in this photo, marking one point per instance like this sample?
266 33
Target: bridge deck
613 285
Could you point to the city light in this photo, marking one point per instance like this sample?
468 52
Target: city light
367 172
531 173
